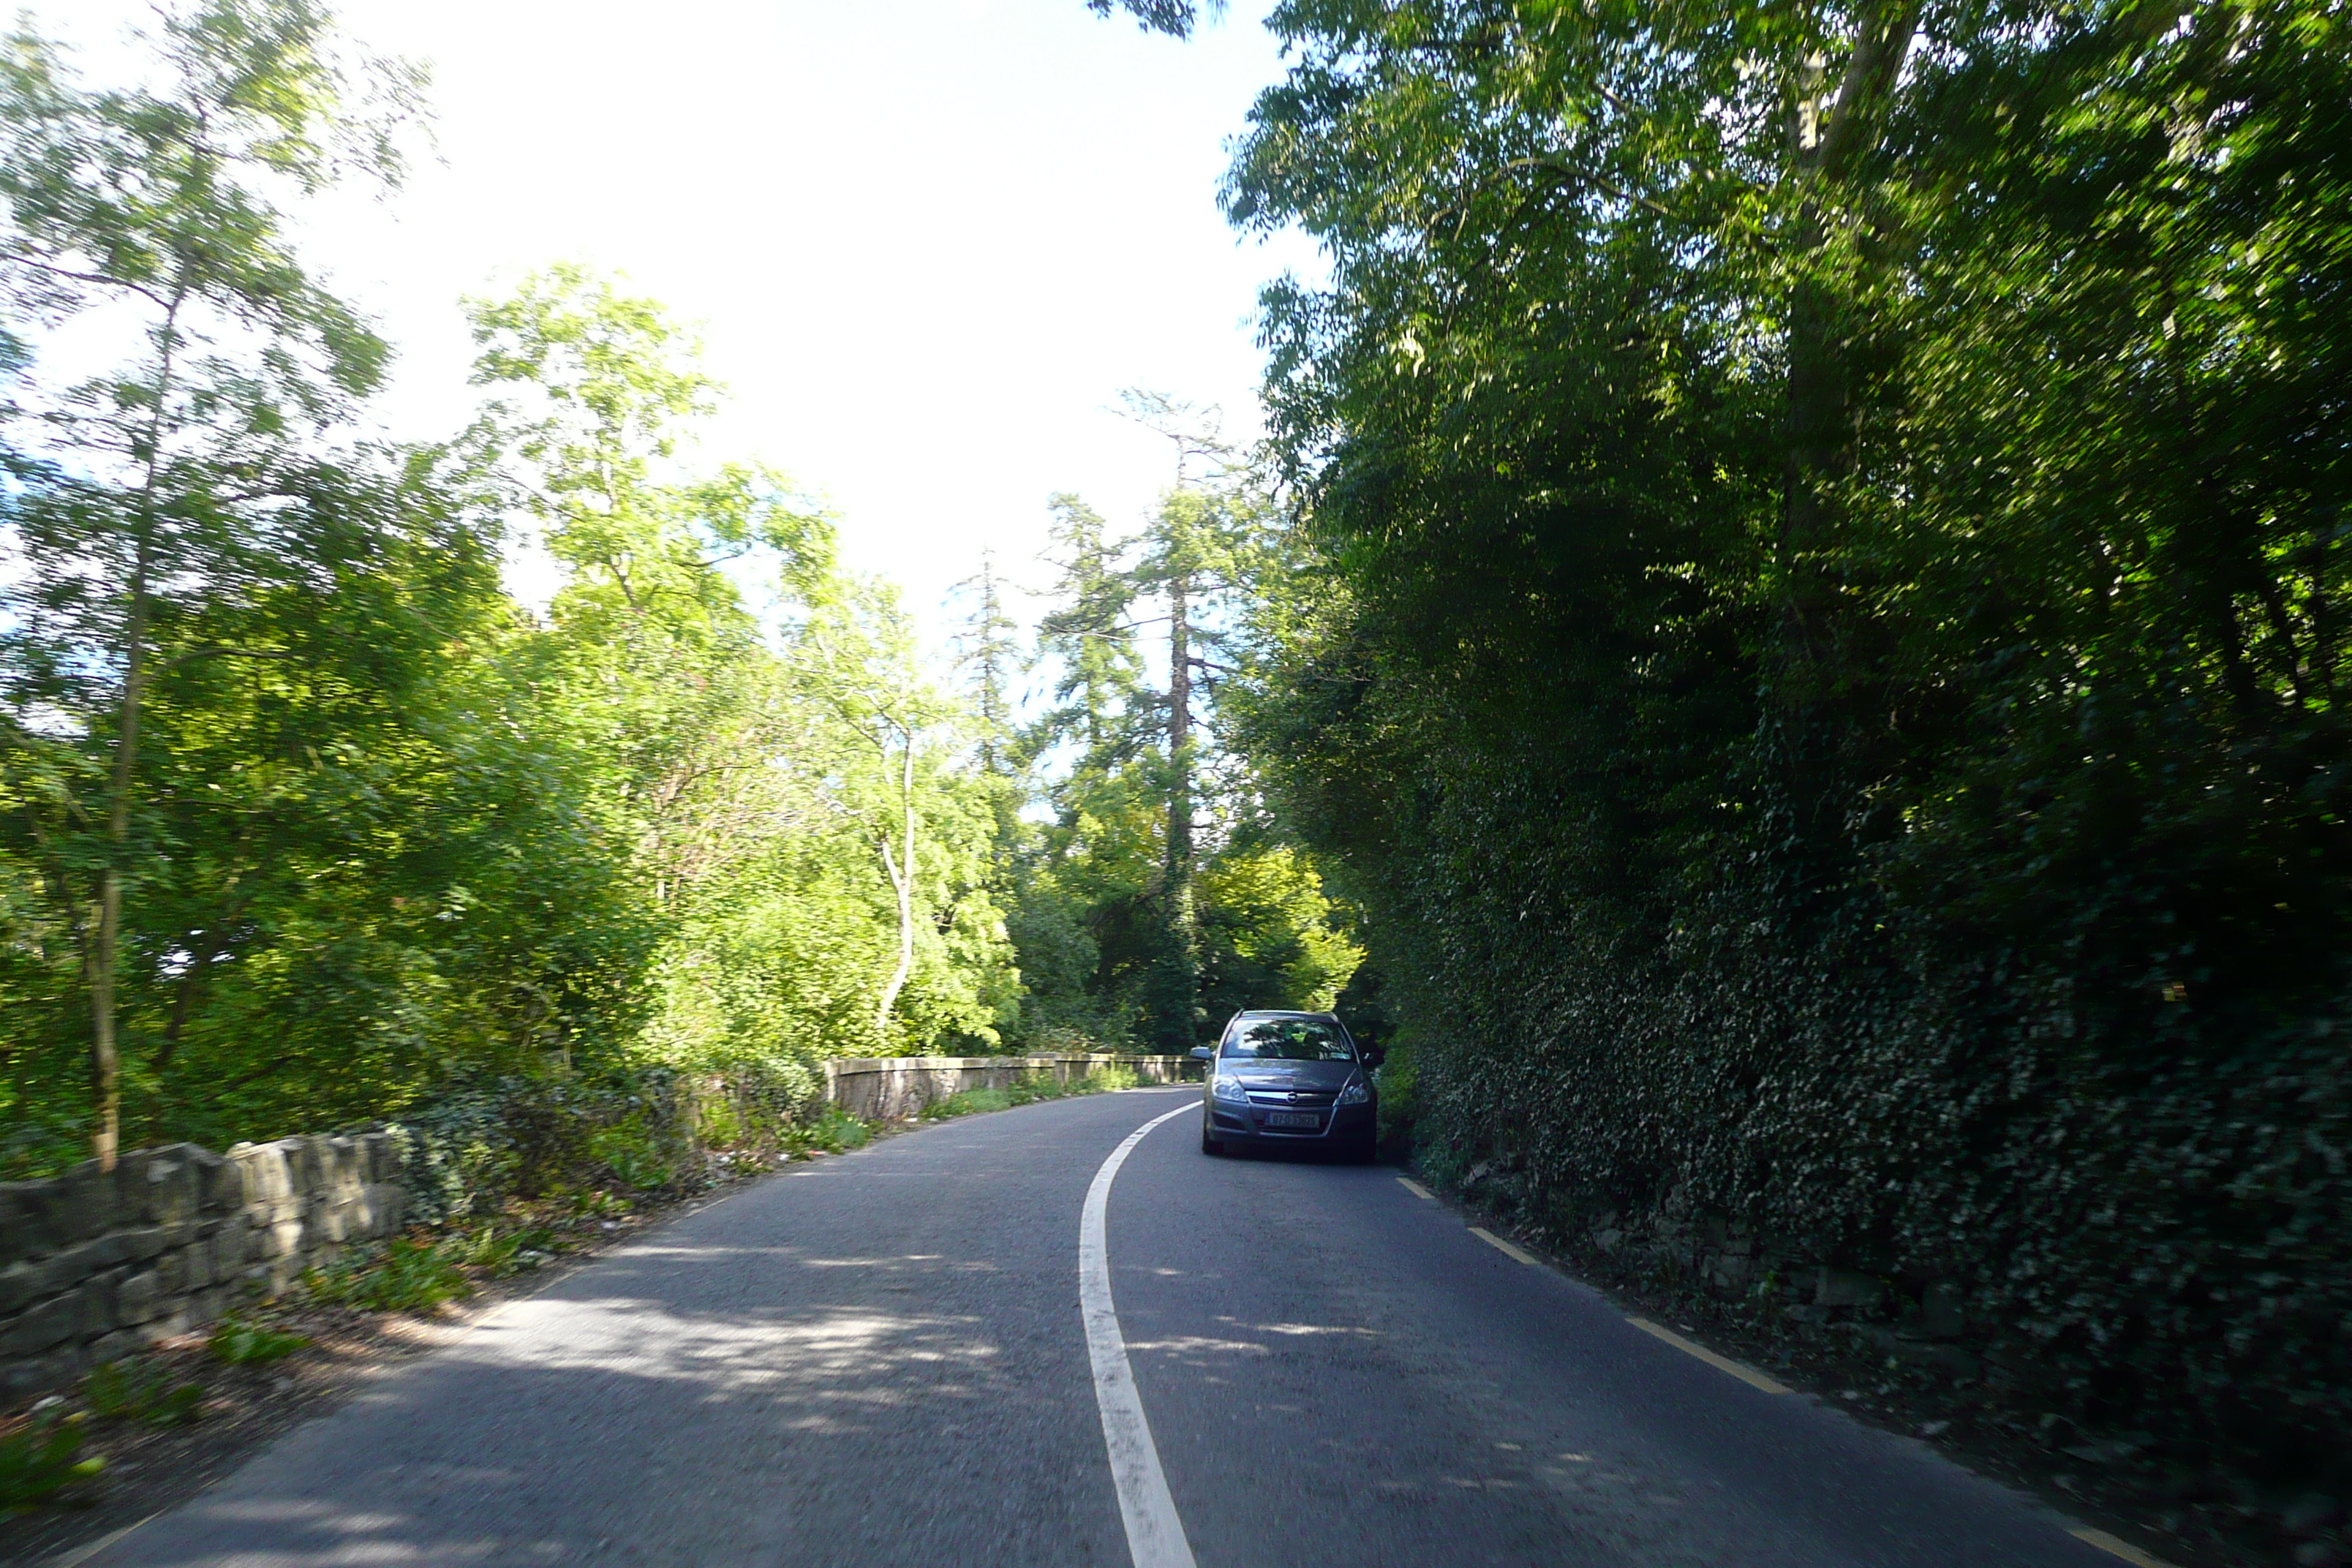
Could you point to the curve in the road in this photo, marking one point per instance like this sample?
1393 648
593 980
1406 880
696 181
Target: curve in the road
1155 1536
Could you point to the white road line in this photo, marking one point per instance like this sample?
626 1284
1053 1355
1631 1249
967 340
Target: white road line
2123 1549
1155 1536
1416 1189
1505 1248
1747 1375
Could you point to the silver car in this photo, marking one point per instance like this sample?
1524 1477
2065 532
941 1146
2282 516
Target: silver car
1289 1081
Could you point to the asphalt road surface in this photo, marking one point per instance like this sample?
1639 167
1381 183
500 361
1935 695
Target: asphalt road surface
882 1358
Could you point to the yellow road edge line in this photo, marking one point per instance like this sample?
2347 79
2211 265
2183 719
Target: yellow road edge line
2123 1549
1508 1251
1747 1375
1416 1189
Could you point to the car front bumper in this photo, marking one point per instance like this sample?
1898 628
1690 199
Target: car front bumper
1231 1123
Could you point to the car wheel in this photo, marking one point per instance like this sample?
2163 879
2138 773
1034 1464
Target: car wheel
1365 1148
1209 1145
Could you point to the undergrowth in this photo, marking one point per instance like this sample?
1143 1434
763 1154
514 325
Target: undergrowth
404 1276
141 1391
241 1342
42 1458
1026 1089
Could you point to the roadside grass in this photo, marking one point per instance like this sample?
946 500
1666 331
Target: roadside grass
1027 1089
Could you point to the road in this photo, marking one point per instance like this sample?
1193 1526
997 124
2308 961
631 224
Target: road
881 1358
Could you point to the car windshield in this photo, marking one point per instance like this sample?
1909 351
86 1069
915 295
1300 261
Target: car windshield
1288 1040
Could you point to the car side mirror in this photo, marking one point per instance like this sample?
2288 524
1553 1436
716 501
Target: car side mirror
1203 1053
1373 1056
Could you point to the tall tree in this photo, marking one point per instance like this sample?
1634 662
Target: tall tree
1090 634
190 476
987 647
1182 555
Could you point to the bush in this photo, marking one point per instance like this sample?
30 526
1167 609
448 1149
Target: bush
141 1391
37 1461
832 1129
500 1253
646 1130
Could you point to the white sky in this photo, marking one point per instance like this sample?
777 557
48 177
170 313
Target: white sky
928 242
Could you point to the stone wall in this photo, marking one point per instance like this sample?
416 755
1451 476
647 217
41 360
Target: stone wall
95 1265
888 1089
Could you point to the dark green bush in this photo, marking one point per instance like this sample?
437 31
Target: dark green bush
648 1129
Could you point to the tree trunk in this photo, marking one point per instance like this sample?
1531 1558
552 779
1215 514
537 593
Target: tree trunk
1179 981
1180 738
106 930
1821 712
902 881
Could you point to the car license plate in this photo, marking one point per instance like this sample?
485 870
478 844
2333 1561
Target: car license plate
1293 1119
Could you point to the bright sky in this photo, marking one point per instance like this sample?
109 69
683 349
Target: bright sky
928 242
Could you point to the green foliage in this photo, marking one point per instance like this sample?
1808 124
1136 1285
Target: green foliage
303 822
183 519
136 1390
242 1343
1027 1089
402 1275
1816 642
37 1460
1398 1078
1158 897
500 1252
1270 937
631 1154
832 1130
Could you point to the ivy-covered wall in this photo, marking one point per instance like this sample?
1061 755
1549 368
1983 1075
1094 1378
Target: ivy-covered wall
2139 1225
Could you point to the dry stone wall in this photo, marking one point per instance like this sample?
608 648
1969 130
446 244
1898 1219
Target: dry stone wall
96 1264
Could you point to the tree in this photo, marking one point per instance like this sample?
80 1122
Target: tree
1187 557
190 476
865 671
771 776
1816 637
987 647
1090 636
648 617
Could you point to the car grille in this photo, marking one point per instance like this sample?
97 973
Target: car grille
1305 1099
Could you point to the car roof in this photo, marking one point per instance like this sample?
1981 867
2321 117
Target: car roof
1283 1012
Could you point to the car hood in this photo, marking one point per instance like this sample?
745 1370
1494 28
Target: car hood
1288 1075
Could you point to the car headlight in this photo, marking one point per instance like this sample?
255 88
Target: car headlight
1229 1089
1357 1092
